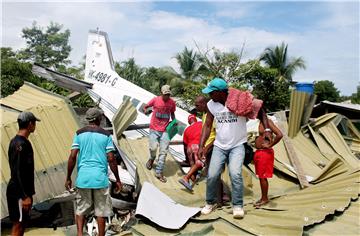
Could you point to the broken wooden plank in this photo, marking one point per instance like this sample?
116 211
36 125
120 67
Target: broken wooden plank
294 160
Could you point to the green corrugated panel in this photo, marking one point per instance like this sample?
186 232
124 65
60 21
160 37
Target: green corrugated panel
51 140
323 146
123 117
333 168
297 209
333 136
297 105
345 223
322 120
287 214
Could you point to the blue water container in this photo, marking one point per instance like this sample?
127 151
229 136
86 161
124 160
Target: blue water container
305 87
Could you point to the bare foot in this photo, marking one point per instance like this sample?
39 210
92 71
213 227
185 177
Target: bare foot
260 203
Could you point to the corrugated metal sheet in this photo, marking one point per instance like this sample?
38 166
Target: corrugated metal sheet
297 106
345 223
333 136
333 186
124 116
285 215
51 140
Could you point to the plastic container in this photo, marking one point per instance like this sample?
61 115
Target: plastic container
305 87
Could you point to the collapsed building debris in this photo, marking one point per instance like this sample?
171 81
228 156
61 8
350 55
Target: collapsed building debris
327 149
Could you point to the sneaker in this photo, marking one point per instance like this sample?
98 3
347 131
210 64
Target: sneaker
208 208
238 212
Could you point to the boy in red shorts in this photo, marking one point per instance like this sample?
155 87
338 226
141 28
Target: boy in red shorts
264 159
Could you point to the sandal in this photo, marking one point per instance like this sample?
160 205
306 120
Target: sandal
260 203
187 185
161 178
149 164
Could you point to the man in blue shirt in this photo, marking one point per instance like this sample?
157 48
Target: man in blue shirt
93 148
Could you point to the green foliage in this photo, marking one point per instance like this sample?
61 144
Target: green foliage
325 90
150 79
188 62
214 63
14 72
129 70
190 92
277 58
49 48
84 100
355 97
275 93
52 87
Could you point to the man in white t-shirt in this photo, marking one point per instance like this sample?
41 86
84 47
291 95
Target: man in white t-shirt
231 134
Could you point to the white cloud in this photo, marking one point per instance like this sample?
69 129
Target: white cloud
153 37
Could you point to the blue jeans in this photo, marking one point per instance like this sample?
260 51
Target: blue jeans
234 158
161 138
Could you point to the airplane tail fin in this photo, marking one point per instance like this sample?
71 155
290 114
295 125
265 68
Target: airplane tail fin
99 57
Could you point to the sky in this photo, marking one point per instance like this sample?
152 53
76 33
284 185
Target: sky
324 33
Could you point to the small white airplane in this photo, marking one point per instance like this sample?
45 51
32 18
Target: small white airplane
109 90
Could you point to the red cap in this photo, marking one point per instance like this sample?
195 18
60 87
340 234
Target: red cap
191 117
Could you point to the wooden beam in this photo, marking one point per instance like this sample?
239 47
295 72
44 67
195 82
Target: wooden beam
73 95
294 160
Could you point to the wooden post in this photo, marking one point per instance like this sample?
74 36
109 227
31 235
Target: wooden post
294 160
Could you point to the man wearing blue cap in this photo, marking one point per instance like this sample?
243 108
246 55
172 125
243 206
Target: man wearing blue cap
228 148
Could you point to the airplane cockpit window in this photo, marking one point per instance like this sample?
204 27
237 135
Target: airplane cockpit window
135 102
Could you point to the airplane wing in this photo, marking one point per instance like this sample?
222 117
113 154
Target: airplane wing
60 79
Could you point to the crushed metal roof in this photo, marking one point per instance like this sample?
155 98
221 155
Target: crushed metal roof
344 105
288 213
351 111
51 139
330 165
328 206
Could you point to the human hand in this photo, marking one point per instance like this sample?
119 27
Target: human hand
26 203
118 187
268 135
68 184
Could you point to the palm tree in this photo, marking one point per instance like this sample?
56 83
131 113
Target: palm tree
277 58
188 61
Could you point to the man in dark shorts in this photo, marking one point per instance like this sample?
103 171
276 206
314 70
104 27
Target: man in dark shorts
21 186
